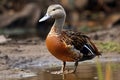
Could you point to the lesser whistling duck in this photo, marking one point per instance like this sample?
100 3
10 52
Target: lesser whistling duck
67 45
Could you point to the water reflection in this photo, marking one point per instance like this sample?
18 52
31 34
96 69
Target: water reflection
84 72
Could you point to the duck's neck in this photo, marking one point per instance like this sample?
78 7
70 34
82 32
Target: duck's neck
57 26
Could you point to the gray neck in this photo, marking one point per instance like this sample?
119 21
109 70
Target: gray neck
58 25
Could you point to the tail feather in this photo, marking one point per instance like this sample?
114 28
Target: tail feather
88 52
88 48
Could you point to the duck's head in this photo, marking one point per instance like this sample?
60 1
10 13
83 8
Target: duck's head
54 11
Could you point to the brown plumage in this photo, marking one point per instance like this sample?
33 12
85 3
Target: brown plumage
78 40
67 45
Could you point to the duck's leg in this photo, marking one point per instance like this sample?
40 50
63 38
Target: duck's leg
72 71
62 71
76 64
63 67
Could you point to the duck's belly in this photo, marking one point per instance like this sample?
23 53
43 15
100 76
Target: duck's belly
58 49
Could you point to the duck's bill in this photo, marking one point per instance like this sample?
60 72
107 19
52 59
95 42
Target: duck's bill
44 18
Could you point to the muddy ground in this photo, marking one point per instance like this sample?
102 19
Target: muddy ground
18 56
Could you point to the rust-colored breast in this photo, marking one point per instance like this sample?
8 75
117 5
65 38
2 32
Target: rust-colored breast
57 48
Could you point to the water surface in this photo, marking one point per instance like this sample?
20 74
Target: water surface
85 71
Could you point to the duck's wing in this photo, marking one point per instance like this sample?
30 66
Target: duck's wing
80 42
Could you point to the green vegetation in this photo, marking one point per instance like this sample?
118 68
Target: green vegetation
99 70
108 46
107 71
105 47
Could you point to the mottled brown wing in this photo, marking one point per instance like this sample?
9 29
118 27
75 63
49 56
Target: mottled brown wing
78 40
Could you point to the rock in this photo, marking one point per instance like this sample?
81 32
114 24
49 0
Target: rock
3 39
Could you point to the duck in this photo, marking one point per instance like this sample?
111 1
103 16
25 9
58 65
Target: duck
67 45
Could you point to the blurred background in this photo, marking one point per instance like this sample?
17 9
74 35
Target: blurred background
20 18
22 39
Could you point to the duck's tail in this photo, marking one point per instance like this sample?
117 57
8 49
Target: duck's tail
89 51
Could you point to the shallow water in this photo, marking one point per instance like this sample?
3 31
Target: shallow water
106 67
85 71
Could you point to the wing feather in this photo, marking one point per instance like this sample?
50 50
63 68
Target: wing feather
80 42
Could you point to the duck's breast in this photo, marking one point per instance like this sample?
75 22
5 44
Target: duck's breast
57 48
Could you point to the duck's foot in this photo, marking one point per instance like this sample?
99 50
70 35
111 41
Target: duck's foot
57 72
69 71
63 72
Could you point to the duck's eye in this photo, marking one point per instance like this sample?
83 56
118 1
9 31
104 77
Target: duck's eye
54 9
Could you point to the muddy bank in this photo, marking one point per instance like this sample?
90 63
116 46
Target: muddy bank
16 55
